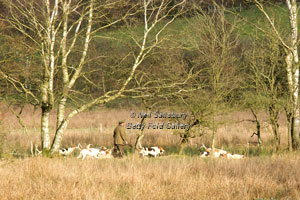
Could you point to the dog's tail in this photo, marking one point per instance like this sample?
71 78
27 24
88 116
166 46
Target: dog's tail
88 146
79 146
109 151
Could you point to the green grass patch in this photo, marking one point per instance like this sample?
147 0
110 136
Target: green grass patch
180 29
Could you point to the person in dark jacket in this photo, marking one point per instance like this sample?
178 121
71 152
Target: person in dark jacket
120 139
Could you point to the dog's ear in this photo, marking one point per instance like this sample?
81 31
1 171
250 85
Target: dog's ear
161 149
107 151
150 149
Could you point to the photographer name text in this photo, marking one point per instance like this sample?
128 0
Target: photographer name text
158 115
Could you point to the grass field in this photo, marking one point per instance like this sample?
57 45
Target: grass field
169 177
84 129
269 176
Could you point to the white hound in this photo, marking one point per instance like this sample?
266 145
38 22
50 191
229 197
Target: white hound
152 151
102 152
69 151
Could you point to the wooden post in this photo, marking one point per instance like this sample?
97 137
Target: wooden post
100 128
31 149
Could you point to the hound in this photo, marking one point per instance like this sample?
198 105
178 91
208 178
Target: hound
217 152
91 152
144 152
156 151
152 151
221 153
105 153
236 156
102 150
68 151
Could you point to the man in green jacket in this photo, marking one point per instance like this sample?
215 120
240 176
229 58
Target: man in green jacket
120 138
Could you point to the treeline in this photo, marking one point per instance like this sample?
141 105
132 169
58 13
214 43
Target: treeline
159 54
115 9
176 56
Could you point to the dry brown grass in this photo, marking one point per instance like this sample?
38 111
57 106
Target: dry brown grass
170 177
84 129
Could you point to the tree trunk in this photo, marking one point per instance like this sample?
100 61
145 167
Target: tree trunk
258 135
289 124
292 61
295 131
293 87
257 131
48 74
58 135
291 134
69 83
288 114
46 107
45 129
183 143
138 143
213 137
61 112
60 122
292 64
65 73
275 126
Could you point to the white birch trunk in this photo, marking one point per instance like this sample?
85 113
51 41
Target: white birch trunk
63 101
61 124
45 122
292 64
45 110
292 61
48 77
64 124
45 130
109 96
46 28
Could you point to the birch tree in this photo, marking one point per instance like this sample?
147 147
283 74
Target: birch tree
290 45
56 28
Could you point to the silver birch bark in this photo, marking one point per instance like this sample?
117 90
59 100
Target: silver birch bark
292 61
46 20
48 77
62 102
292 64
65 53
69 84
145 49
